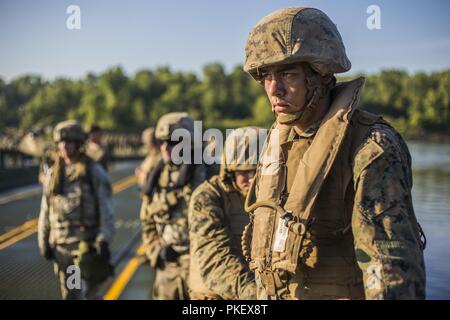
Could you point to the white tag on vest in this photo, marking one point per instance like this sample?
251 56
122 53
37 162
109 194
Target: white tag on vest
281 234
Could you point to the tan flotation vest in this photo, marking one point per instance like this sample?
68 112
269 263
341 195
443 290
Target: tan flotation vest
73 201
302 243
169 209
235 221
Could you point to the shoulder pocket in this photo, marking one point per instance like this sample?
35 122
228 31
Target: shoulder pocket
368 153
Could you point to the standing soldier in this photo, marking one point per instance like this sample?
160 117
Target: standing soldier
76 221
218 269
95 149
331 200
164 219
153 156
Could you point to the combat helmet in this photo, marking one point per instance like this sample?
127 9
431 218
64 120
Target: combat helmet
69 130
170 122
241 151
294 35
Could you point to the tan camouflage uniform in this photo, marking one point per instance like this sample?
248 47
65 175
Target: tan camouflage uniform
164 222
65 208
338 199
217 220
384 225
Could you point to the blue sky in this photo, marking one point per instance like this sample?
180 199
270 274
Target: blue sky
414 35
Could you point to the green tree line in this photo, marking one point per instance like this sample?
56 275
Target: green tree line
415 103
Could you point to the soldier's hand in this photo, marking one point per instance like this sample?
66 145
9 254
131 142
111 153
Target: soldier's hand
168 254
103 249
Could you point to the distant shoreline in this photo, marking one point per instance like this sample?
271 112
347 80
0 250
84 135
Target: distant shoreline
428 137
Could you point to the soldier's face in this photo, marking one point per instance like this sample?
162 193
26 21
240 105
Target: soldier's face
243 179
68 149
285 86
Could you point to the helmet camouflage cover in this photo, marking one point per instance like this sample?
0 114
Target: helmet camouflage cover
169 122
296 35
241 150
69 130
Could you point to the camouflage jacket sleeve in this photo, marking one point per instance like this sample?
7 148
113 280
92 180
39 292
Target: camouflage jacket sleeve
150 236
102 187
387 242
222 270
43 221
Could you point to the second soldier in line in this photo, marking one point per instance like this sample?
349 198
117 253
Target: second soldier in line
218 269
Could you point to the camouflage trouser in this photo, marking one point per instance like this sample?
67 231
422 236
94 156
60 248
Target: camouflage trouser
171 281
66 256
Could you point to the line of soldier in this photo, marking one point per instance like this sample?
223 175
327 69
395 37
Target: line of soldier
330 217
193 219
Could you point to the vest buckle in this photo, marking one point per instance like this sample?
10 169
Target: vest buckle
293 223
287 216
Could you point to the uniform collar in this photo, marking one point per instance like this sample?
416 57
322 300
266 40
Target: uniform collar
308 133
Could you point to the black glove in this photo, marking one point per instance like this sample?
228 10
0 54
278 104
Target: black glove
102 248
167 254
47 253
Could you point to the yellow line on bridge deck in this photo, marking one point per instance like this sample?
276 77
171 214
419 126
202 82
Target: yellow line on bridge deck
125 276
124 184
19 237
20 196
29 227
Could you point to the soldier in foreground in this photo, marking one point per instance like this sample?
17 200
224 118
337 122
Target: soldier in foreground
76 221
218 269
331 200
96 150
165 218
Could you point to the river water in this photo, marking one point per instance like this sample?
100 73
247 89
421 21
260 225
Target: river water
431 197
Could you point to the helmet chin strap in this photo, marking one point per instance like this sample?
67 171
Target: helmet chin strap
295 118
316 89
